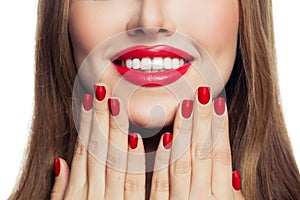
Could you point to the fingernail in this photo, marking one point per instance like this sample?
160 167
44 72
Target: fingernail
187 108
87 101
203 95
133 140
167 140
114 106
236 180
100 92
56 166
219 105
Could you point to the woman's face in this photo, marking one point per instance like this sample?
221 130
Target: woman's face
153 53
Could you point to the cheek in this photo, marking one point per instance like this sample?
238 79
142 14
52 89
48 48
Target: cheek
90 24
213 25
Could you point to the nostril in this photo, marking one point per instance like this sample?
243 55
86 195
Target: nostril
150 31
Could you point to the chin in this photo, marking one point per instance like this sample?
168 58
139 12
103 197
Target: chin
156 118
151 124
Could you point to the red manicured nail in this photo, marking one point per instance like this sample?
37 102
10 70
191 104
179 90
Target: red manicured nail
219 105
100 92
236 180
87 101
187 108
167 140
203 95
56 166
114 106
133 140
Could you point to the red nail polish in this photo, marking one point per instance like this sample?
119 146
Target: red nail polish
133 140
236 180
56 166
219 105
203 95
187 108
167 140
114 106
100 92
87 101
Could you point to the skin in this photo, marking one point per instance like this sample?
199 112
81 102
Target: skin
216 32
155 22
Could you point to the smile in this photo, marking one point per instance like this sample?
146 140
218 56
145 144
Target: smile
152 66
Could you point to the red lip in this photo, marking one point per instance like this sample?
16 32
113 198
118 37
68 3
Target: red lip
152 79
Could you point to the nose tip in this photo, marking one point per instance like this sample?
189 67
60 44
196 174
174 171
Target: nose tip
151 20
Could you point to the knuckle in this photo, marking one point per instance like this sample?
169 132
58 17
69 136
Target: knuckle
222 157
116 160
100 109
161 186
205 113
162 158
80 150
95 146
131 184
182 167
203 152
220 124
182 128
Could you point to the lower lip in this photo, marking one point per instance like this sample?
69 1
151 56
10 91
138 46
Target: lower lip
152 79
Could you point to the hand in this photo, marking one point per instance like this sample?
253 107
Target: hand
99 164
200 156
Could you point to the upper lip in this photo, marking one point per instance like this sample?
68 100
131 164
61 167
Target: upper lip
162 51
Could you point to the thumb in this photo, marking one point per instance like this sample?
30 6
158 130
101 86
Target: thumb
61 171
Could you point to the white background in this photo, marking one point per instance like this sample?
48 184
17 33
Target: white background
17 32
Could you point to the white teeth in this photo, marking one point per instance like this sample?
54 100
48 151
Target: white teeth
181 62
167 63
146 64
175 63
136 63
157 63
129 63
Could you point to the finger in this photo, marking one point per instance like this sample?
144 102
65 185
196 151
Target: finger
135 176
98 143
201 145
160 179
221 156
180 167
117 150
78 168
61 179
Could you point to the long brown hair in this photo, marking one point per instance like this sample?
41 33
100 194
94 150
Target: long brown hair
260 145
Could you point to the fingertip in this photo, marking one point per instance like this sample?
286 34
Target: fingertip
203 95
167 140
61 171
236 180
133 141
56 166
220 106
61 168
187 108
